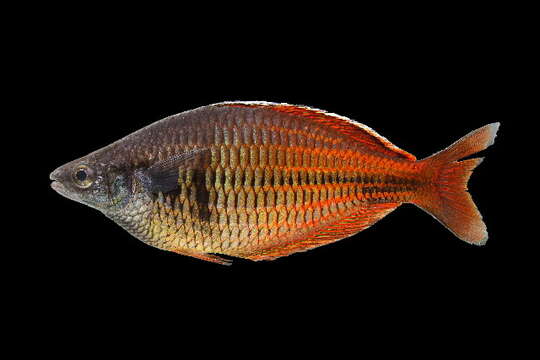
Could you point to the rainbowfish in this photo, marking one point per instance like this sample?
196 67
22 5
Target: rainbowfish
260 180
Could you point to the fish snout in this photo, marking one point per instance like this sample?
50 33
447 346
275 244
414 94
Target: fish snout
55 175
59 184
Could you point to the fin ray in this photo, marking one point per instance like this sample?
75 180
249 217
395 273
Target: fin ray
448 200
203 256
163 175
363 134
358 220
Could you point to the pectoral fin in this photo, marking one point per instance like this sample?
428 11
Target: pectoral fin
163 175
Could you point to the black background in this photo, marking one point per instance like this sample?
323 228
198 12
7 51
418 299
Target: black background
420 89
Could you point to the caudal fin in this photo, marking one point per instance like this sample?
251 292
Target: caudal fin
447 198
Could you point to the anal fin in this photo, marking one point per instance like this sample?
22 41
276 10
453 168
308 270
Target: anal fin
356 221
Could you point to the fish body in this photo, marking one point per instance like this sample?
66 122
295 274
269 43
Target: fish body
264 180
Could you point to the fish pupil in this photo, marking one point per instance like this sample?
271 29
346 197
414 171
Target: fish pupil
81 175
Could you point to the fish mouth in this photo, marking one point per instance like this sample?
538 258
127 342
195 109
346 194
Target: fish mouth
64 191
59 187
56 185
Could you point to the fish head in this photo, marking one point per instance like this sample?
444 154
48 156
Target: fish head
92 182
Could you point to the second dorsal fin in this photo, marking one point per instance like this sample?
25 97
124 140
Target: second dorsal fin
359 132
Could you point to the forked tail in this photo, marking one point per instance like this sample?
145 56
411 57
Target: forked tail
447 199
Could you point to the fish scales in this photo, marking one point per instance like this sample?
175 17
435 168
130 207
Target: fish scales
257 180
238 136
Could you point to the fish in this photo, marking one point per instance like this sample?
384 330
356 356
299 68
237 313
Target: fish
261 180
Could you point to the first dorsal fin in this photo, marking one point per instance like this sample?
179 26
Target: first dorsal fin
359 132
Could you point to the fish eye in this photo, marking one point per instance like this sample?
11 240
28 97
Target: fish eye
83 176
